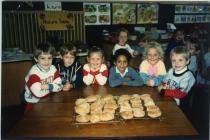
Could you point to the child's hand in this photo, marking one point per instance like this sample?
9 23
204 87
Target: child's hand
67 87
150 83
135 53
44 87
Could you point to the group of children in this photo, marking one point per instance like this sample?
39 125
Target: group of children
44 78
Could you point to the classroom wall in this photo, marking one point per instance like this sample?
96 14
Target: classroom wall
93 33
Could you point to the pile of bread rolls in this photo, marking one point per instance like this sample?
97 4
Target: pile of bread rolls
137 106
95 108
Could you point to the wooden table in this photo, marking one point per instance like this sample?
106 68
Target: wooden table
52 117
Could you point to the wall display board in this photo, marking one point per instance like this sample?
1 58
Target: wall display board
97 13
123 13
56 20
192 14
147 13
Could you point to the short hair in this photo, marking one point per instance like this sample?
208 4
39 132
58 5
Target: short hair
195 43
44 48
155 45
123 52
68 48
180 50
95 49
122 30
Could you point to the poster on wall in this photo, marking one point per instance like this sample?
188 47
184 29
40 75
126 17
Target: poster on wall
147 13
56 20
123 13
97 13
192 9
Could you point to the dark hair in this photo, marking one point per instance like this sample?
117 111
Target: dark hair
95 49
44 48
122 30
196 43
68 48
123 52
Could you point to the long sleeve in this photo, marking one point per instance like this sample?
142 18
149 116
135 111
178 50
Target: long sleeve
176 93
144 77
114 78
136 79
157 80
102 76
57 83
87 77
34 85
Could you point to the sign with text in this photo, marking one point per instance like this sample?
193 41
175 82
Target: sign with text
56 20
53 6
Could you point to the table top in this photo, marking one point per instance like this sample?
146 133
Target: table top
53 117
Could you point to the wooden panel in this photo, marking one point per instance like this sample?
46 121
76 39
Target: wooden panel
13 82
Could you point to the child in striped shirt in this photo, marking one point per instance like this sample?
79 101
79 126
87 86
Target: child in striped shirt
95 72
43 78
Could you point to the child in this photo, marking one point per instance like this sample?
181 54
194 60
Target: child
141 42
177 40
95 72
43 78
70 70
179 79
194 49
122 44
152 69
121 73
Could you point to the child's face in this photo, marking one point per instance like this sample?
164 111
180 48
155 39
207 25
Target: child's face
179 35
44 60
68 59
122 38
191 48
121 63
153 56
178 61
95 60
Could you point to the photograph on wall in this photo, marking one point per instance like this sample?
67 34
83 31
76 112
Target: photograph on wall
123 13
177 19
147 13
97 13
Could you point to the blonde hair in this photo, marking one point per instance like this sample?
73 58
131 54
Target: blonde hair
182 51
155 45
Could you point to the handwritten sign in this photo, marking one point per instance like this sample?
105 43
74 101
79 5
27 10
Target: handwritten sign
53 6
56 20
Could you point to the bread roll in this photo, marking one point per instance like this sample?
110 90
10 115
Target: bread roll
94 118
107 97
110 105
149 103
82 109
92 98
154 114
153 108
106 116
109 110
126 115
82 118
80 101
137 112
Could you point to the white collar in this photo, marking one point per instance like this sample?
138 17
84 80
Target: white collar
122 74
181 71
